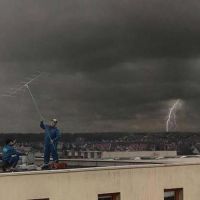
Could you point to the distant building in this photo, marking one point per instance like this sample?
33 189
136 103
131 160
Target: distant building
136 154
83 154
118 154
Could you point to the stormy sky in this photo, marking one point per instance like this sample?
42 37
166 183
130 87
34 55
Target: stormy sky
110 65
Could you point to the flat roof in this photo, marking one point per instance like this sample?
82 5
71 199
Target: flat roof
180 159
166 163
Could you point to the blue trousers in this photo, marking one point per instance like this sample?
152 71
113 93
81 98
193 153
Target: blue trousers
50 149
13 160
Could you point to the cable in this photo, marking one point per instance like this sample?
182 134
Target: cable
38 111
34 102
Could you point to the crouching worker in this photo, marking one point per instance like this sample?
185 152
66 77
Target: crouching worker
10 155
52 136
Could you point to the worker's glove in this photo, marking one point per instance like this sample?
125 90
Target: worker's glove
51 141
42 119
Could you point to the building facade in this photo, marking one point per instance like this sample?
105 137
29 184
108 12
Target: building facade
133 182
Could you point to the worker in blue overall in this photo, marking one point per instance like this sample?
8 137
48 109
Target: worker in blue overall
52 136
10 155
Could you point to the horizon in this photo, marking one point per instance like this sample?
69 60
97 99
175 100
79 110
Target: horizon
113 132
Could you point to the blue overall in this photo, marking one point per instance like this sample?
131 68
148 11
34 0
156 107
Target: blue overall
10 155
51 134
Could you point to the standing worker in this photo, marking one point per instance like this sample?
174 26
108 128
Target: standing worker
52 136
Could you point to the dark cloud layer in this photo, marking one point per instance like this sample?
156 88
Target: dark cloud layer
112 65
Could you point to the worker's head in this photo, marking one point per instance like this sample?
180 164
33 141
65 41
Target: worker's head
10 142
54 122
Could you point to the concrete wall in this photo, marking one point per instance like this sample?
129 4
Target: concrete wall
133 154
134 183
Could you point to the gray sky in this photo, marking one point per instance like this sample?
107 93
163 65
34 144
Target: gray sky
113 65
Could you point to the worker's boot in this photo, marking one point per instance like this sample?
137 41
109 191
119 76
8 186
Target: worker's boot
5 166
45 167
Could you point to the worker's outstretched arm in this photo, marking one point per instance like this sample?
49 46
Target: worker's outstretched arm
13 151
42 125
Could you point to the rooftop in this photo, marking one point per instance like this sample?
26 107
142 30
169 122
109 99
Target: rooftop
77 165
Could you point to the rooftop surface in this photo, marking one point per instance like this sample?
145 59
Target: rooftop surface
75 165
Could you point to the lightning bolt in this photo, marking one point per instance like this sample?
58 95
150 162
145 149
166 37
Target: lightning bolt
172 115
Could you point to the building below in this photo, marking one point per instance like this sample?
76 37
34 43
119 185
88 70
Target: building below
164 179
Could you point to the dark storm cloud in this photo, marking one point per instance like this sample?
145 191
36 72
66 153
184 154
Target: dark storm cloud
113 65
98 32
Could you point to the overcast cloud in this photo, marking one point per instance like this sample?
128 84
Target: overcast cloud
111 65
